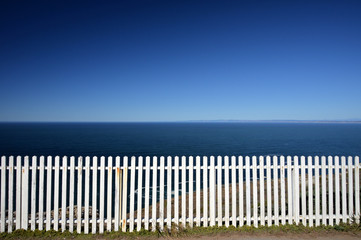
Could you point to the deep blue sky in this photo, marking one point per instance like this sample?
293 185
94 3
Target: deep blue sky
179 60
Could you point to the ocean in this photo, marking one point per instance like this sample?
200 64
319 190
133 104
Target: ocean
180 139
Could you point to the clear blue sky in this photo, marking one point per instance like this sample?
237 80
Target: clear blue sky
180 60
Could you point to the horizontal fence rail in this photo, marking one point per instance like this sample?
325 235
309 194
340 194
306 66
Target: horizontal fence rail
93 195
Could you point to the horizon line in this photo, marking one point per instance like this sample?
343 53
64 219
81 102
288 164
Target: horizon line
199 121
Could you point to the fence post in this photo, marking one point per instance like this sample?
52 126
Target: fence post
110 191
95 187
2 203
261 190
350 187
290 189
198 191
169 193
255 195
234 192
248 192
330 191
41 193
269 196
337 190
191 191
86 195
147 176
184 217
317 191
212 195
310 192
226 191
18 192
219 189
56 195
33 192
161 194
241 181
11 193
117 207
154 194
64 193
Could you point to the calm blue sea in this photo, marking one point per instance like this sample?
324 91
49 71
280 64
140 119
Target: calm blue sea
171 139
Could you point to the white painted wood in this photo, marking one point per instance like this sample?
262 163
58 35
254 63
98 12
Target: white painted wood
191 192
146 198
18 192
198 191
337 190
357 189
125 194
117 197
33 193
255 191
248 192
49 192
169 192
310 191
11 194
303 189
344 190
283 190
110 191
226 191
269 196
212 193
176 190
234 192
3 186
184 217
80 195
289 190
323 180
219 191
56 193
154 194
64 193
261 190
296 188
317 191
140 193
71 194
86 195
350 187
132 194
275 191
95 192
41 193
25 193
102 192
330 191
205 191
161 192
241 181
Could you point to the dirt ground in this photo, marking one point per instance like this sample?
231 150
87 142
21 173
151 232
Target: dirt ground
280 236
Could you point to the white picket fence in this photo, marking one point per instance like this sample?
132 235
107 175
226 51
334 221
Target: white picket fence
203 191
